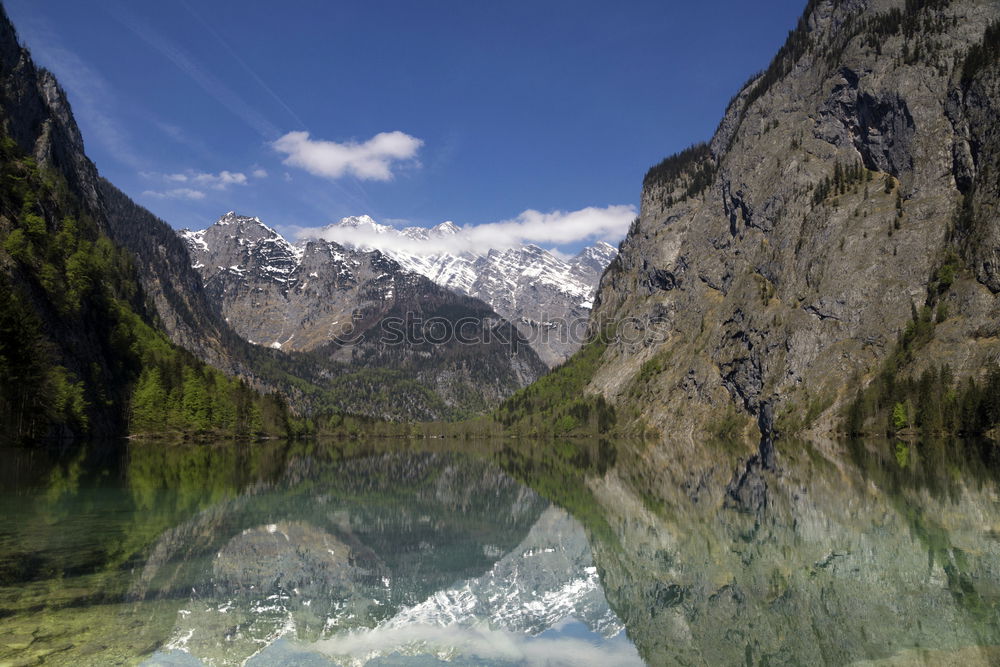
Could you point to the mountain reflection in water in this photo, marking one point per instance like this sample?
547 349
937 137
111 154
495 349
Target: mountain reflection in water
293 554
573 553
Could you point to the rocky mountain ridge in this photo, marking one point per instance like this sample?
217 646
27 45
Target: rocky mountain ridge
845 200
548 297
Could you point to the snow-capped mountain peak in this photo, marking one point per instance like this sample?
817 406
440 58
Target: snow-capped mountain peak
526 284
362 222
545 295
446 228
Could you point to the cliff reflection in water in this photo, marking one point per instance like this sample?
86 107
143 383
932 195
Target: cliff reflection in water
355 554
844 553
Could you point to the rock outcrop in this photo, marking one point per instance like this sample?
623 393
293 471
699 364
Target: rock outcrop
778 264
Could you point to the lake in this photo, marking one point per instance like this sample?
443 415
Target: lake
512 553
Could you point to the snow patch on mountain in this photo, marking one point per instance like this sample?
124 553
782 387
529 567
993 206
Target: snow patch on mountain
549 296
546 296
523 266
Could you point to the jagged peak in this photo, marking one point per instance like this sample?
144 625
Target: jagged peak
243 222
232 216
446 227
602 247
532 249
358 221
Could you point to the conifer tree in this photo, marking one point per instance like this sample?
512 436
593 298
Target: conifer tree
149 403
197 406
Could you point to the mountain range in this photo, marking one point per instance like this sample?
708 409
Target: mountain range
361 312
825 264
301 295
546 296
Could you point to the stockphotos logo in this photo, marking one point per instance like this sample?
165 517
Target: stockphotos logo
415 330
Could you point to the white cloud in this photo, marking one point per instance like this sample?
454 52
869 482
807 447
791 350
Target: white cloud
219 181
177 193
260 173
556 228
370 160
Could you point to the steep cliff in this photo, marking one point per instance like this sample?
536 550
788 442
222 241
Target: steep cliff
84 349
843 211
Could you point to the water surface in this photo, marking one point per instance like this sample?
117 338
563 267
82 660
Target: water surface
573 553
280 554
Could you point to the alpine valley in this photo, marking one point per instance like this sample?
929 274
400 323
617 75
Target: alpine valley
762 431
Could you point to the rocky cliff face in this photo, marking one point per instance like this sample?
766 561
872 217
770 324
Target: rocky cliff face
282 296
37 116
548 298
774 268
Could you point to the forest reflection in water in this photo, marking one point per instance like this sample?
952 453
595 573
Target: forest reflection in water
575 552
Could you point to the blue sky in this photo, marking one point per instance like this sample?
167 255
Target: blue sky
411 112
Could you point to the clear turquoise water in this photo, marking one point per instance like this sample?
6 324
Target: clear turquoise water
518 553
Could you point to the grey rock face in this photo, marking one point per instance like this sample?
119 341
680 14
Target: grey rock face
37 115
280 296
973 107
546 297
766 292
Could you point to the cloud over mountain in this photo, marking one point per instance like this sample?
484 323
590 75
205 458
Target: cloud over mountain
556 228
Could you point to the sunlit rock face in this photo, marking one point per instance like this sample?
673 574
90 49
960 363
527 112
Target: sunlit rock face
767 288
